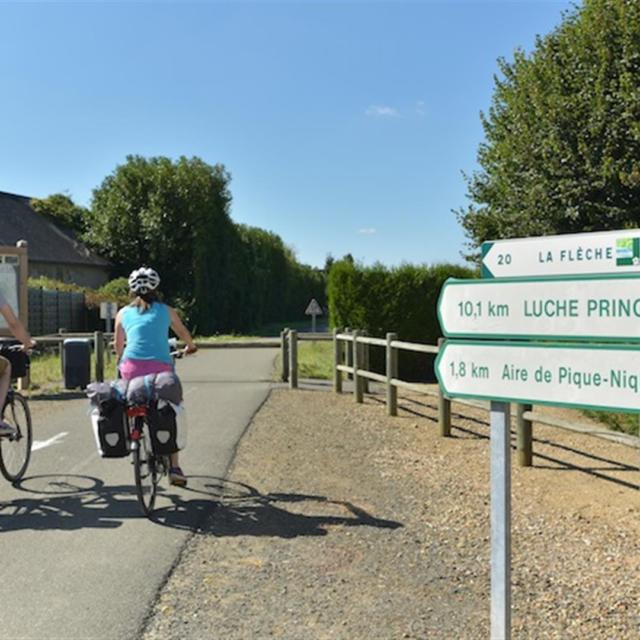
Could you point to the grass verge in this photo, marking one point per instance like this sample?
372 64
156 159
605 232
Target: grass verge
315 360
46 372
623 422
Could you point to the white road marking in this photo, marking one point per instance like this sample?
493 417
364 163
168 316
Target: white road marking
42 444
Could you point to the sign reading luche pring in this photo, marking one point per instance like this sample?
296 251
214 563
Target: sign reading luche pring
578 308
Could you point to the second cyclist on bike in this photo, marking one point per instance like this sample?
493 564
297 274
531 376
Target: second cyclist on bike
19 331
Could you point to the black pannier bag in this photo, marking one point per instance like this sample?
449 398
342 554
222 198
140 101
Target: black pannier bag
111 429
108 420
163 428
17 357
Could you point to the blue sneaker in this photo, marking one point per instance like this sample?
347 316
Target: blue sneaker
177 477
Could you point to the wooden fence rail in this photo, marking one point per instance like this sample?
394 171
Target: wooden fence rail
351 357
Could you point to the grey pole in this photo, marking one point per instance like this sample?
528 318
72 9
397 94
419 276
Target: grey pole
524 436
392 372
98 339
284 347
444 406
357 381
337 359
500 521
293 359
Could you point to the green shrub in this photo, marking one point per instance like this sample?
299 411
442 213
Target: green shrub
402 300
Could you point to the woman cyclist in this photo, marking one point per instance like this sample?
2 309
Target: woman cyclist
141 338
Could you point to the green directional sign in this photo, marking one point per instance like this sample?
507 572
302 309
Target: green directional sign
591 376
569 308
578 253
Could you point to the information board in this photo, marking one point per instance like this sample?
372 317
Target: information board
13 283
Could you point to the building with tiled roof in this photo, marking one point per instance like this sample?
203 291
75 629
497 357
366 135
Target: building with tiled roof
53 251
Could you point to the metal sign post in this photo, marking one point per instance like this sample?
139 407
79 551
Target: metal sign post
313 310
108 311
500 521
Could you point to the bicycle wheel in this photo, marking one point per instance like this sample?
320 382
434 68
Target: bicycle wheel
15 451
146 473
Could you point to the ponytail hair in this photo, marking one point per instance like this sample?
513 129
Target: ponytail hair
143 301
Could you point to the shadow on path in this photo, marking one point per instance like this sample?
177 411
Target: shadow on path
209 505
241 510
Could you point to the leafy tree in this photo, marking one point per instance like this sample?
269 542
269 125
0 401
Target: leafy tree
61 210
173 216
562 147
378 300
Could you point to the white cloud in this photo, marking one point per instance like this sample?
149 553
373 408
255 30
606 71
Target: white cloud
368 231
381 111
421 108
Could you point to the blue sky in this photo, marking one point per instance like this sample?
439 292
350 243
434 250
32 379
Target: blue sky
345 125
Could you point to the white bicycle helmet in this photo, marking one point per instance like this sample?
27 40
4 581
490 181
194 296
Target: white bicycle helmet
143 280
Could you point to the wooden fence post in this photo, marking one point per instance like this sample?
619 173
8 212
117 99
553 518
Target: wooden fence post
444 407
98 341
284 349
293 359
350 347
337 360
392 372
365 359
357 380
524 436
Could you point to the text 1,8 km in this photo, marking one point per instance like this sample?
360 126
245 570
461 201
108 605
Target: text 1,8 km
471 309
462 369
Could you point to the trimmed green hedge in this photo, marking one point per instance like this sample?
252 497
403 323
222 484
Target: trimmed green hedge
403 300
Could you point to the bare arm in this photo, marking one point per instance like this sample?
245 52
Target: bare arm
16 327
181 331
120 336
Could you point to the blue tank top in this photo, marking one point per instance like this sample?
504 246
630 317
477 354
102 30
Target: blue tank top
147 333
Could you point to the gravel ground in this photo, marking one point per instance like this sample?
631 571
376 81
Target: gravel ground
339 522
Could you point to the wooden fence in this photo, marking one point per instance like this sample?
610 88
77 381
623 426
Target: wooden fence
351 357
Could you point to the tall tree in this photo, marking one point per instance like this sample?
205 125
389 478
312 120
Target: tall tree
63 211
173 216
562 147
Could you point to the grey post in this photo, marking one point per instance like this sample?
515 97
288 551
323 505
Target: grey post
350 347
98 341
357 382
284 349
444 407
293 359
500 521
524 436
337 359
366 362
392 372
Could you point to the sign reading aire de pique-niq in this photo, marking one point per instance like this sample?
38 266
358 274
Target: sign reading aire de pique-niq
592 376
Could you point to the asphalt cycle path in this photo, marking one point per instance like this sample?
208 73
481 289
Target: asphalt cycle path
78 559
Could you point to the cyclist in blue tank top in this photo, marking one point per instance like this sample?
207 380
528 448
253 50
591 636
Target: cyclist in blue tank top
141 338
